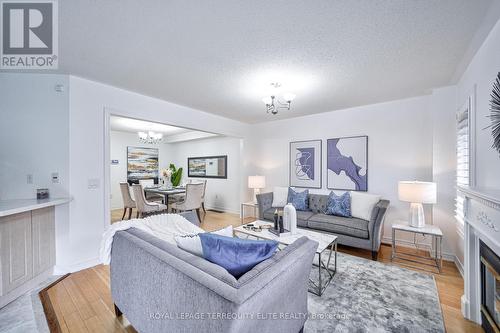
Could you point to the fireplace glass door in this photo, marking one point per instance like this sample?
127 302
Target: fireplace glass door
490 289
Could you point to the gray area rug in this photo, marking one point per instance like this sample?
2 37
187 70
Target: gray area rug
25 314
370 296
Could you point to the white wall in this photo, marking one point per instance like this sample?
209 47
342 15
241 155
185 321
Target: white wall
400 134
479 76
34 139
88 102
34 135
477 81
444 161
399 146
119 141
221 194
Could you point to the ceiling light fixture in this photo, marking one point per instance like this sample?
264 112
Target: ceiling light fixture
273 104
150 137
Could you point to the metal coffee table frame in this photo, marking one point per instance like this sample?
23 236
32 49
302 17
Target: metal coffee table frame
315 287
318 287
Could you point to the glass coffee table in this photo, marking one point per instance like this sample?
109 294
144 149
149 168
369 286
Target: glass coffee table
327 242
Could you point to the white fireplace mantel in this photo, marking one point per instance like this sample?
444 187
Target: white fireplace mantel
482 222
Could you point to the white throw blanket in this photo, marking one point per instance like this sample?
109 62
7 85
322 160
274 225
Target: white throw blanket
165 227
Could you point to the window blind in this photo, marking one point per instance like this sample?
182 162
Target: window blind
463 161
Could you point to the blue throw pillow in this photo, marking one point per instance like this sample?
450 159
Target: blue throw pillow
298 199
236 255
339 205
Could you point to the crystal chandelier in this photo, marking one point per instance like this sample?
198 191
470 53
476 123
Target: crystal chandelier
273 104
150 137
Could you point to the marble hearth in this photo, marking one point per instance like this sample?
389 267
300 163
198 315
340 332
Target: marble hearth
482 223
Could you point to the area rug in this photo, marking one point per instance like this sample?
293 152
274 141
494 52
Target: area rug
370 296
25 314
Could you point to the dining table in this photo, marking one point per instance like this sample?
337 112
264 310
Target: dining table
165 191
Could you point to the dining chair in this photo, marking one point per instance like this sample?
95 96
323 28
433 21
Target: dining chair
151 196
192 199
204 182
128 202
145 207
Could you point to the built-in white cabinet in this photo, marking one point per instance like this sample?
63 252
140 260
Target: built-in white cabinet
27 251
43 235
16 250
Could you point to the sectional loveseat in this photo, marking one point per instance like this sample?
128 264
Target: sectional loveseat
355 232
162 288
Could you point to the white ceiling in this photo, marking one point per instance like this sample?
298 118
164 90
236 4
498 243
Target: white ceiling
123 124
221 56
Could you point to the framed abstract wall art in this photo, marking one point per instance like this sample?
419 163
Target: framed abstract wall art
347 163
305 164
142 163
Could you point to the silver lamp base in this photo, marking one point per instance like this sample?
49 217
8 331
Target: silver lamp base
417 218
255 192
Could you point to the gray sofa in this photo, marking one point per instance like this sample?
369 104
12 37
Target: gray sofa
161 288
350 231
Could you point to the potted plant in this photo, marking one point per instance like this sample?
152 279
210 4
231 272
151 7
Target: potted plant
176 176
171 176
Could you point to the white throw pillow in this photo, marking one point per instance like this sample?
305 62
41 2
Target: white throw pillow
362 204
280 197
192 244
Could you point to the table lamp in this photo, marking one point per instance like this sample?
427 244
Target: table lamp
256 183
417 193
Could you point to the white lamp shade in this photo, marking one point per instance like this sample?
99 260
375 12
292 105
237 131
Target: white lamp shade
288 97
267 100
417 192
256 182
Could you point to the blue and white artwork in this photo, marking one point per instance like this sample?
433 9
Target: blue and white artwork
305 164
347 163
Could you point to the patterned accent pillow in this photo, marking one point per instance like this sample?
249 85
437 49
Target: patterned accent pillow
299 200
339 205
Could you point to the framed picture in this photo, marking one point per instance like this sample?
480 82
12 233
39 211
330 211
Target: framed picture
142 163
208 167
305 164
347 163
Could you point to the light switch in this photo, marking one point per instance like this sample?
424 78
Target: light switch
55 177
29 179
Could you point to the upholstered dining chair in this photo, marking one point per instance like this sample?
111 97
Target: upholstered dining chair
192 199
151 196
180 197
145 207
128 202
204 182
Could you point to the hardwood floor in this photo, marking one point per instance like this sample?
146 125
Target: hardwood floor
82 301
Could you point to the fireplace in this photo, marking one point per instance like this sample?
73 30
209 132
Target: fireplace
490 289
481 300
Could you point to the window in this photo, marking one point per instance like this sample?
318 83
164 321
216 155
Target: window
464 161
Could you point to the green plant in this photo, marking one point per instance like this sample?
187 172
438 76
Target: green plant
176 175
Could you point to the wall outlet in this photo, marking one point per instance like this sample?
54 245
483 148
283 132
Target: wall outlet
55 177
29 179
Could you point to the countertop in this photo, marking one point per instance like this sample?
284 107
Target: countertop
10 207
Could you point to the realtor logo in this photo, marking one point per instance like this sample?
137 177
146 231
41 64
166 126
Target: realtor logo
29 34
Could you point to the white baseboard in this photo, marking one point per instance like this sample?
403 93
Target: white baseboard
223 209
460 266
65 269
